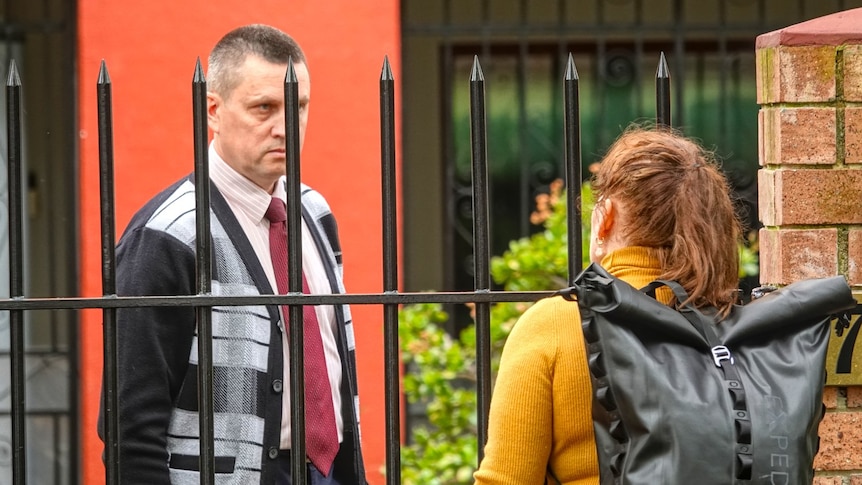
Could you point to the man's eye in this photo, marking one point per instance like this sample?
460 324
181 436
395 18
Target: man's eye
264 107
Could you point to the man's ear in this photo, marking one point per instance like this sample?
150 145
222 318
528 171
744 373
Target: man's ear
214 104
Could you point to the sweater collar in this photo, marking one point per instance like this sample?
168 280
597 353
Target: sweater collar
637 266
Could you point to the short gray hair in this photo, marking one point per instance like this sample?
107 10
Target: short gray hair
230 53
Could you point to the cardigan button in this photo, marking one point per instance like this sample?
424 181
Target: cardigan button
273 453
277 386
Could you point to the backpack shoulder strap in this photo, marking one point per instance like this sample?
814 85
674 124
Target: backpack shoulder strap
723 359
698 320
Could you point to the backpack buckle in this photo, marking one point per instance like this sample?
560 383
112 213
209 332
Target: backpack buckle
721 353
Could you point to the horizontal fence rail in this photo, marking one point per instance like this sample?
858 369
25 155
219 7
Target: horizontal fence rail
401 298
203 301
388 298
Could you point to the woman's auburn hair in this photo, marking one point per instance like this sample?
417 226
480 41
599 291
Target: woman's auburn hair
675 201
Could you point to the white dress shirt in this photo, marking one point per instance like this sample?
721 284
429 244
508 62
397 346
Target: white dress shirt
249 203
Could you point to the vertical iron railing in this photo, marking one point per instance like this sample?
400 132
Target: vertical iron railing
109 279
481 251
390 276
294 274
203 276
16 273
574 176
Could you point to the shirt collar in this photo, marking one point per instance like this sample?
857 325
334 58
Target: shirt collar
241 193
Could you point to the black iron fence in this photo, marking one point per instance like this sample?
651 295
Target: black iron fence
203 302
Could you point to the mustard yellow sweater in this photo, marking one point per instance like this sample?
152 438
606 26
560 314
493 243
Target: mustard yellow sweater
541 412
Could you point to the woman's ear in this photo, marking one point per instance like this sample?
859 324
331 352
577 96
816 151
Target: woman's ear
608 218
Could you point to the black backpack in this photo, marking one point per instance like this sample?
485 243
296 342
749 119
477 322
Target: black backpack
679 399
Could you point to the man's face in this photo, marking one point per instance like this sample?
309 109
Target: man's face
248 122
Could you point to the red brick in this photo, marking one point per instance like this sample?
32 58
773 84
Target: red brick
766 197
854 256
769 137
853 73
788 255
830 480
840 442
792 196
855 479
853 134
762 137
799 136
830 397
767 75
770 257
854 397
806 73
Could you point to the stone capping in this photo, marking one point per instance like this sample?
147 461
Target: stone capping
835 29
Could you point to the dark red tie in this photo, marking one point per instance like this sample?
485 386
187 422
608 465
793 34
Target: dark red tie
321 437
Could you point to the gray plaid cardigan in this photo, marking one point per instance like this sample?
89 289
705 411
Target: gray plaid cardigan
158 348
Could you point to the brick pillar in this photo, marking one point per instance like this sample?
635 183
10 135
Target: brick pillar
809 87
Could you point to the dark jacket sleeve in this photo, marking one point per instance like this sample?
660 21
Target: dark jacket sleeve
153 347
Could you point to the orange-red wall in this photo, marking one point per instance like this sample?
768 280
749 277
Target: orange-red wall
150 50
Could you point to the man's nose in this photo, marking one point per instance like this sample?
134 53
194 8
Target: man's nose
278 129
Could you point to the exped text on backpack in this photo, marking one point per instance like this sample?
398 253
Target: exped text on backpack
680 399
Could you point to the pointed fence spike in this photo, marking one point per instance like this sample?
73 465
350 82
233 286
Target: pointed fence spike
199 76
290 76
571 70
104 77
386 75
662 93
13 79
662 72
476 72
